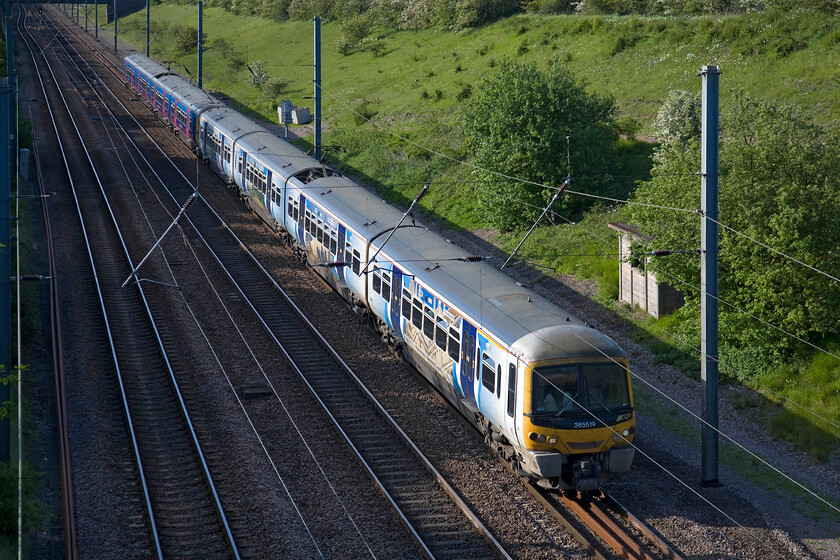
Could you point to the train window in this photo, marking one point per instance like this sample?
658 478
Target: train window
428 322
406 304
377 281
488 372
417 316
320 231
159 98
357 262
334 242
454 343
182 115
511 404
440 334
290 207
306 220
386 285
226 150
239 163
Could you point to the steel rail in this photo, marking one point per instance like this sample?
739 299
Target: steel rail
590 513
646 531
153 325
461 504
71 547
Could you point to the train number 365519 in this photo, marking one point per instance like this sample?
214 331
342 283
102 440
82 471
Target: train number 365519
589 424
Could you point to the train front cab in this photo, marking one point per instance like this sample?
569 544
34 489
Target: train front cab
578 422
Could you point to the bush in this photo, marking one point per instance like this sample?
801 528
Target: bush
278 86
678 120
184 38
549 6
259 75
372 44
235 61
517 124
465 93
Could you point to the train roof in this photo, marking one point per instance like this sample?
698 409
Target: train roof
187 92
519 318
148 65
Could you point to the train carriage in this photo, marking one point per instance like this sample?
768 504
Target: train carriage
551 394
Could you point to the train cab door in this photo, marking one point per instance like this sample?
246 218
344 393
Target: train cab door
468 350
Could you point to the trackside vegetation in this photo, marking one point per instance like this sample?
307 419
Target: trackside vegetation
401 106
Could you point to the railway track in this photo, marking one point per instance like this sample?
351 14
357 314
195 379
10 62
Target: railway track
183 513
56 343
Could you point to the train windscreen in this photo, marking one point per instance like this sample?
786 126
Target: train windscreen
569 389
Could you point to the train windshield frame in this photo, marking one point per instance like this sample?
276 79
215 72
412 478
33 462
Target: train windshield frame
572 389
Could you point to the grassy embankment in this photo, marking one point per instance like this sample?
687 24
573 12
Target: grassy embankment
416 84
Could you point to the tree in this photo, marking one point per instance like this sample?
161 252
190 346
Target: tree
185 38
679 117
779 184
259 75
517 124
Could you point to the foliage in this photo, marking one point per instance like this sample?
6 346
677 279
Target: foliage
549 6
678 119
277 86
354 29
185 38
774 164
33 514
520 122
259 75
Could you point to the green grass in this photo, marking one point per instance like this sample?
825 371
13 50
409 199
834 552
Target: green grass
817 385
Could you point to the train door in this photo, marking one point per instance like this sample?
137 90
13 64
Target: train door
191 132
240 170
510 391
301 221
268 189
202 140
394 303
468 349
277 207
489 380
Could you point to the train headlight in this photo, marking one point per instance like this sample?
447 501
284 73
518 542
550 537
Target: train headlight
625 433
552 440
541 438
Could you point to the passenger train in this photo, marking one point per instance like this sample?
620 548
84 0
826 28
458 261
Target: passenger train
551 394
